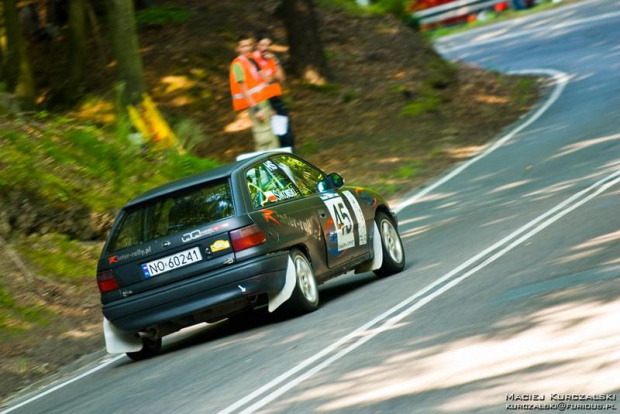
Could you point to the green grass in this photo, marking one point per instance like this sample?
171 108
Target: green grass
58 257
349 6
15 319
406 172
523 90
67 163
425 104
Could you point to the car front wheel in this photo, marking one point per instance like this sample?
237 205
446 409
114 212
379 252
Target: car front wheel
393 251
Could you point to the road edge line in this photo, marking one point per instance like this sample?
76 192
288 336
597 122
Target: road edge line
62 385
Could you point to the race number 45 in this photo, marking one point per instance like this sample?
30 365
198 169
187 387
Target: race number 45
343 222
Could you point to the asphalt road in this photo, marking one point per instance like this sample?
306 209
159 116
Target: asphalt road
511 287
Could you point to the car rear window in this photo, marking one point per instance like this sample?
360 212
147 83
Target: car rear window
172 214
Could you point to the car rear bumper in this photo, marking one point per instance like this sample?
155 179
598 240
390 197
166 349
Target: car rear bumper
200 293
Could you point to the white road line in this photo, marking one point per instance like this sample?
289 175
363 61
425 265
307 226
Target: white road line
364 334
560 78
64 384
525 32
516 22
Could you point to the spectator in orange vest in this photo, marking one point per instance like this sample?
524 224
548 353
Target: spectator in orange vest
274 75
247 88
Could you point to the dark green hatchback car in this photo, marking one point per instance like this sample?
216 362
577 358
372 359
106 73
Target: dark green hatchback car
260 232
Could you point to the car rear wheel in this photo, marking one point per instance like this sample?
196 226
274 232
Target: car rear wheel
150 348
393 251
305 296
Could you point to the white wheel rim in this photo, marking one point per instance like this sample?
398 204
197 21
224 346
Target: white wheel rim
305 279
391 241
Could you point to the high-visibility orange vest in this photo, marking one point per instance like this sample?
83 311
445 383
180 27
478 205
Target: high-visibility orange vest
254 83
268 67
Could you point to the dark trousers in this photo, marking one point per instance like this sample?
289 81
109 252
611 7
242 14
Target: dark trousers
277 104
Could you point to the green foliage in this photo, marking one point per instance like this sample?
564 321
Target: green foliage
395 7
330 55
309 147
190 134
427 103
162 15
523 90
58 257
350 6
15 318
406 172
348 95
67 163
440 72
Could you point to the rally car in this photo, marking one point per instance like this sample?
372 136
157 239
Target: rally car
262 232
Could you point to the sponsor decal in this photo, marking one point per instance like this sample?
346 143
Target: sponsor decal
268 215
284 219
132 255
219 245
366 198
270 165
342 219
271 196
196 234
359 217
328 196
286 194
305 225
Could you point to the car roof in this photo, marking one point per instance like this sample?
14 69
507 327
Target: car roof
214 174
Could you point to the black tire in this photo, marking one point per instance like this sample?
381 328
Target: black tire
150 348
305 296
393 251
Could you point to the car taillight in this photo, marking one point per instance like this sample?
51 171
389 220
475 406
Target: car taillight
247 237
106 281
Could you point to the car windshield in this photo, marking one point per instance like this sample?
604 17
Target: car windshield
172 214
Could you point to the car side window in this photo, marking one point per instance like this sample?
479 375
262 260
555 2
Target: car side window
305 176
268 184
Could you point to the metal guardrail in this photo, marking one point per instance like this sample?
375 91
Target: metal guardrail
454 9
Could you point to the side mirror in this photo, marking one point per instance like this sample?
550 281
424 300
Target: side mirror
332 181
335 180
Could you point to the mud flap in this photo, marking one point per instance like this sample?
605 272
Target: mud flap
377 250
117 342
277 299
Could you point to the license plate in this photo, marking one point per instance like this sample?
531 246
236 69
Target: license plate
168 263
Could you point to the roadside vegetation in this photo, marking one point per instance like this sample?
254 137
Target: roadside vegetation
388 112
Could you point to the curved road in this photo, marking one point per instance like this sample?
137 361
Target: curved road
511 288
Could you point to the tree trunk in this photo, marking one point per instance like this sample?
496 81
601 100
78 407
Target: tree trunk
307 58
17 69
126 50
77 50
